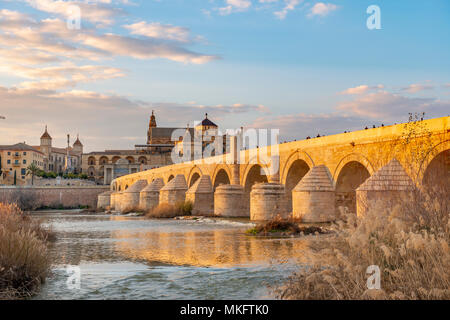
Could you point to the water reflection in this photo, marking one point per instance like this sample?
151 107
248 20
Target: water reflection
218 248
134 258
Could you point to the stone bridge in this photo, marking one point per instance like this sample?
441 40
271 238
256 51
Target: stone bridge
317 178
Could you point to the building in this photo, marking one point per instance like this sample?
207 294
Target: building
60 160
105 166
14 161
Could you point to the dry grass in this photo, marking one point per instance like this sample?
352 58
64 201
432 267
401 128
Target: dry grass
283 226
410 244
24 261
165 210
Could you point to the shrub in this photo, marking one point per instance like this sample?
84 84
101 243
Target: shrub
24 260
24 199
165 210
279 225
186 207
410 244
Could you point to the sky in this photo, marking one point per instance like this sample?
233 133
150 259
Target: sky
304 67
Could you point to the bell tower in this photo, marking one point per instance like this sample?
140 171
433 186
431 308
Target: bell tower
151 125
46 143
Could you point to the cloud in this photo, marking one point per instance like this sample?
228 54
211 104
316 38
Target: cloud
393 107
322 9
235 6
116 45
361 89
104 121
159 31
365 109
97 12
289 6
53 57
414 88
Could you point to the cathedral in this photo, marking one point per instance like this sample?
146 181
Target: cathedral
105 166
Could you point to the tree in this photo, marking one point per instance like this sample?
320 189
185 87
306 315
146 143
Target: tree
33 170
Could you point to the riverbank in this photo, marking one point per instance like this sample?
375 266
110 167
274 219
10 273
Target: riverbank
24 259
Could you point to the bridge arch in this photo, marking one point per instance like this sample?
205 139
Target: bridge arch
255 161
435 168
221 175
295 168
194 175
293 157
357 157
350 173
170 178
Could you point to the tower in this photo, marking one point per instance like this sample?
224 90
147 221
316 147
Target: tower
46 143
151 125
78 146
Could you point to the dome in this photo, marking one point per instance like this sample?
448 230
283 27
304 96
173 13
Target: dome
45 135
78 142
207 123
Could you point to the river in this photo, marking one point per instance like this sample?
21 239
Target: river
124 257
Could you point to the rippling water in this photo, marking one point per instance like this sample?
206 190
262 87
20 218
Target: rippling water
133 258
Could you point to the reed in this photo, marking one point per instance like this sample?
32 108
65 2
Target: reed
24 259
410 244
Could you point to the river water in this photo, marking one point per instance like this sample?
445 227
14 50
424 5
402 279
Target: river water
124 257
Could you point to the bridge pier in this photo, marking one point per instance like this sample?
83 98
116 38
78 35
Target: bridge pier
112 203
104 200
201 195
130 197
174 192
229 201
267 200
118 201
388 187
313 199
149 196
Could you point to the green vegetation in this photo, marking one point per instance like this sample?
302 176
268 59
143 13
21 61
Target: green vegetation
24 259
32 170
53 175
61 207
